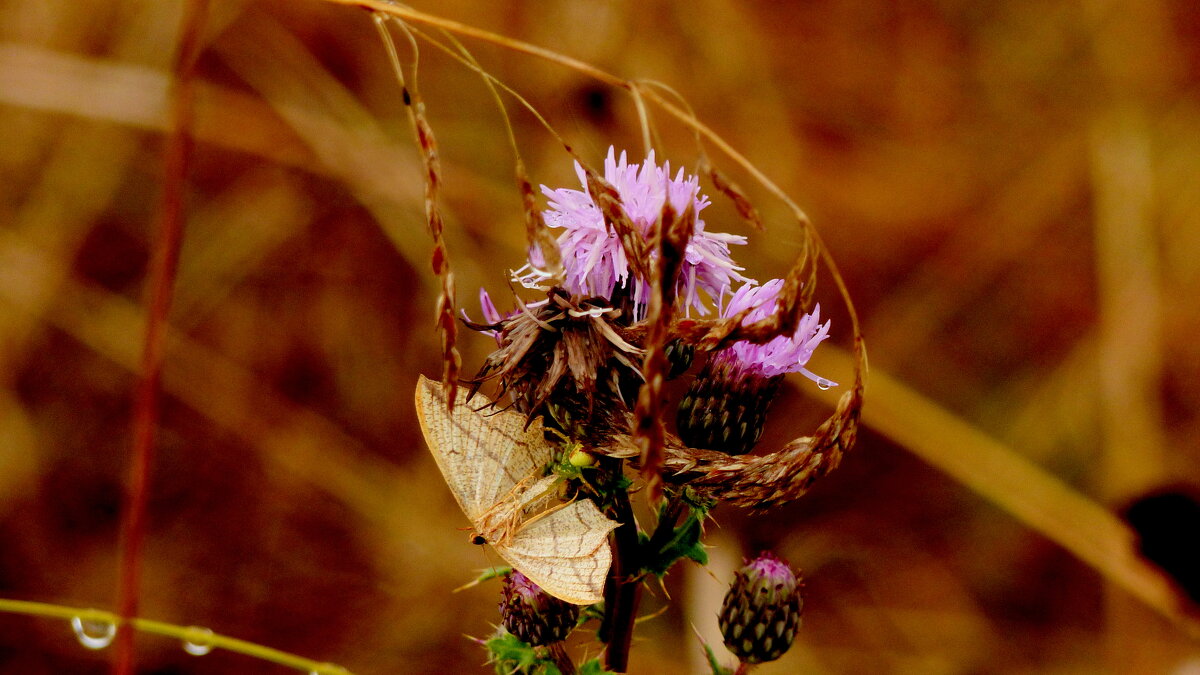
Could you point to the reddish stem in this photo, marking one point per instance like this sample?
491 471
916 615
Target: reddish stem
160 282
621 593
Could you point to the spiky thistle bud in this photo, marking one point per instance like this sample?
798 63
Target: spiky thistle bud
726 407
762 610
532 615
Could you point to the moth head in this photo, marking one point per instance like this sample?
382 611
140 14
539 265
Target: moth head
478 539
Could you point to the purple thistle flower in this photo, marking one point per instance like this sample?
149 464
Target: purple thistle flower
726 406
491 315
593 257
782 354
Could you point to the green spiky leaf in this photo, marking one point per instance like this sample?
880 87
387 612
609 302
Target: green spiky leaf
684 542
713 663
593 667
510 655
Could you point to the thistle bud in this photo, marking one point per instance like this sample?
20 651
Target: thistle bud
532 615
679 357
761 610
725 408
727 404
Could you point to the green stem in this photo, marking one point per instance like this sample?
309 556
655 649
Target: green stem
194 634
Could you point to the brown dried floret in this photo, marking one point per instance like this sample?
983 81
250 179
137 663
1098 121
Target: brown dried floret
570 360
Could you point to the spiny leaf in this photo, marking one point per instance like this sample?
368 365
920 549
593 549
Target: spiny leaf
510 655
684 543
593 667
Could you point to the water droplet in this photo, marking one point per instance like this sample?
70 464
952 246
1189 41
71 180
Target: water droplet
824 384
197 640
93 633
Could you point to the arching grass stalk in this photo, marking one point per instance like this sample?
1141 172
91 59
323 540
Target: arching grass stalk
186 634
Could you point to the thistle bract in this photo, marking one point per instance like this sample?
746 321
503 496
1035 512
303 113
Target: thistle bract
724 409
762 609
532 615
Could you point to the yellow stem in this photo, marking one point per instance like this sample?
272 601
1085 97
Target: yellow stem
181 633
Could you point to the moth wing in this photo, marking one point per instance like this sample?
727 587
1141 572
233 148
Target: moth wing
481 455
565 552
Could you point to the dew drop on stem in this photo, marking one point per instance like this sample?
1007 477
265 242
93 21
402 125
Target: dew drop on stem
197 640
93 633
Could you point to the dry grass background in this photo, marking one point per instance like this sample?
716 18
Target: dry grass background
1009 188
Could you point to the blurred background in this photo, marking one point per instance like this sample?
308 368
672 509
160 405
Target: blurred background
1010 190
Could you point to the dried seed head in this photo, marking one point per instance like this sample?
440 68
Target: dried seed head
565 358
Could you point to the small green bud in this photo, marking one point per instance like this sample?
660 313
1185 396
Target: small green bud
582 458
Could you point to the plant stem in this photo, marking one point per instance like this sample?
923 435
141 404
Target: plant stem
160 282
623 589
561 659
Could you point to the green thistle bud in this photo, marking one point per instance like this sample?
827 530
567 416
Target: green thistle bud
762 610
532 615
726 407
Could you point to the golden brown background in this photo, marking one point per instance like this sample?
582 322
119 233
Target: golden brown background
1010 189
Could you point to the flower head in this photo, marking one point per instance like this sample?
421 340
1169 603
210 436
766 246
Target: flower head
762 609
593 258
726 406
783 354
533 615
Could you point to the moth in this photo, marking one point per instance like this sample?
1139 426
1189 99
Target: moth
493 463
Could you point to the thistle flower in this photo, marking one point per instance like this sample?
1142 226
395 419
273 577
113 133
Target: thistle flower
593 258
726 406
568 357
784 354
762 610
532 615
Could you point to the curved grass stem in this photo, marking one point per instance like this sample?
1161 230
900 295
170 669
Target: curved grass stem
181 633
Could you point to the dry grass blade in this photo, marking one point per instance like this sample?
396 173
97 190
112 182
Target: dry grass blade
608 200
735 194
160 283
1035 497
536 232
